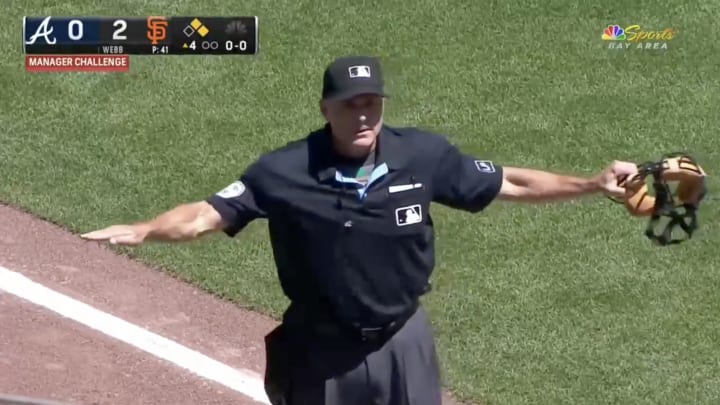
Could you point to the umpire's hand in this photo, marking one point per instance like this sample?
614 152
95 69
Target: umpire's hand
185 222
611 176
131 235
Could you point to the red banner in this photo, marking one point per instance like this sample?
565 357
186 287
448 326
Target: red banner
77 63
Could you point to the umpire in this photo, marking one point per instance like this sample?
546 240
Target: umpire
348 210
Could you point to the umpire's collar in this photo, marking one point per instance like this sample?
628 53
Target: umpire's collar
391 149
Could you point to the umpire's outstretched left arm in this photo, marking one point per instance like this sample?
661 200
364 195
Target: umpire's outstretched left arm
464 182
530 185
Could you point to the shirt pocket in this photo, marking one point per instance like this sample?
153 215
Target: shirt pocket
403 212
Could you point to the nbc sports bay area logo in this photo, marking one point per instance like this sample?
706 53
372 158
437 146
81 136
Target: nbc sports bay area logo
636 37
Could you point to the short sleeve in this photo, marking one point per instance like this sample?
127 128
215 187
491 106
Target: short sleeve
239 203
466 182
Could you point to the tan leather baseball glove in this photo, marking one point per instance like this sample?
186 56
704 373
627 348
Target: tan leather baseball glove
680 205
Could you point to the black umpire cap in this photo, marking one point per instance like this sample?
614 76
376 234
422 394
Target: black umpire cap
349 76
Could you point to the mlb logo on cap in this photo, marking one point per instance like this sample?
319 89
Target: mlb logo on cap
350 76
359 71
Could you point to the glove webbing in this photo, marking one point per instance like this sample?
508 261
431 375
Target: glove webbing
665 205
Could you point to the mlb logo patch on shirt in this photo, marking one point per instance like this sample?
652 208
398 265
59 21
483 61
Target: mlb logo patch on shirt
412 214
485 166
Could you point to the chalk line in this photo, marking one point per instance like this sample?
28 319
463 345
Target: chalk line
191 360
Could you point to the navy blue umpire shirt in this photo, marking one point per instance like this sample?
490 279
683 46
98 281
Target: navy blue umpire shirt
367 252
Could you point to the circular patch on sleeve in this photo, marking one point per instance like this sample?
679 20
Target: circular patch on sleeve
233 190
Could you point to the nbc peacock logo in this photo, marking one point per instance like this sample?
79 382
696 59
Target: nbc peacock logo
635 36
613 33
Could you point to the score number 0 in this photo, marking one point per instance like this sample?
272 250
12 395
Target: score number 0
75 30
241 45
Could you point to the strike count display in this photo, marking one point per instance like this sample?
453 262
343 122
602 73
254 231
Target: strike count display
154 35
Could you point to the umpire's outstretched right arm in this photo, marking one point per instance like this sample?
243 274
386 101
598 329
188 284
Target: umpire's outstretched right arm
183 223
228 211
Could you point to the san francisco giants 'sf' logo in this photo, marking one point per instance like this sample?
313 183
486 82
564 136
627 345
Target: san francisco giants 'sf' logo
157 29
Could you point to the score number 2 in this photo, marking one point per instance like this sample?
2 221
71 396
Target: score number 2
120 27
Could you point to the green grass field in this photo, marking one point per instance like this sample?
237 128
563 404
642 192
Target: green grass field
564 304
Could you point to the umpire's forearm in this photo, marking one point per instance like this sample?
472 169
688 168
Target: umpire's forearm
185 222
532 185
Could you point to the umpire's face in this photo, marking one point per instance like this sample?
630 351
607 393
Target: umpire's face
355 122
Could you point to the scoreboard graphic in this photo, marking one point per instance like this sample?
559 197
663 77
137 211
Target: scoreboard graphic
105 43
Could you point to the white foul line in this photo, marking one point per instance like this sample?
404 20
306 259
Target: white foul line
242 382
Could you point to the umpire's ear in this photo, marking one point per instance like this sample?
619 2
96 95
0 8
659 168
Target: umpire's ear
323 109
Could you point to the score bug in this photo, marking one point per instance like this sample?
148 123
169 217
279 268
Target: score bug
153 35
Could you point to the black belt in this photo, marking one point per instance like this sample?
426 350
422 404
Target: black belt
337 330
364 334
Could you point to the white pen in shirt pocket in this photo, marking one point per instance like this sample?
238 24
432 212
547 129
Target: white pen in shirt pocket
403 187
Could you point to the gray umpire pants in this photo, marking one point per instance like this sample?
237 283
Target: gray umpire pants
400 371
